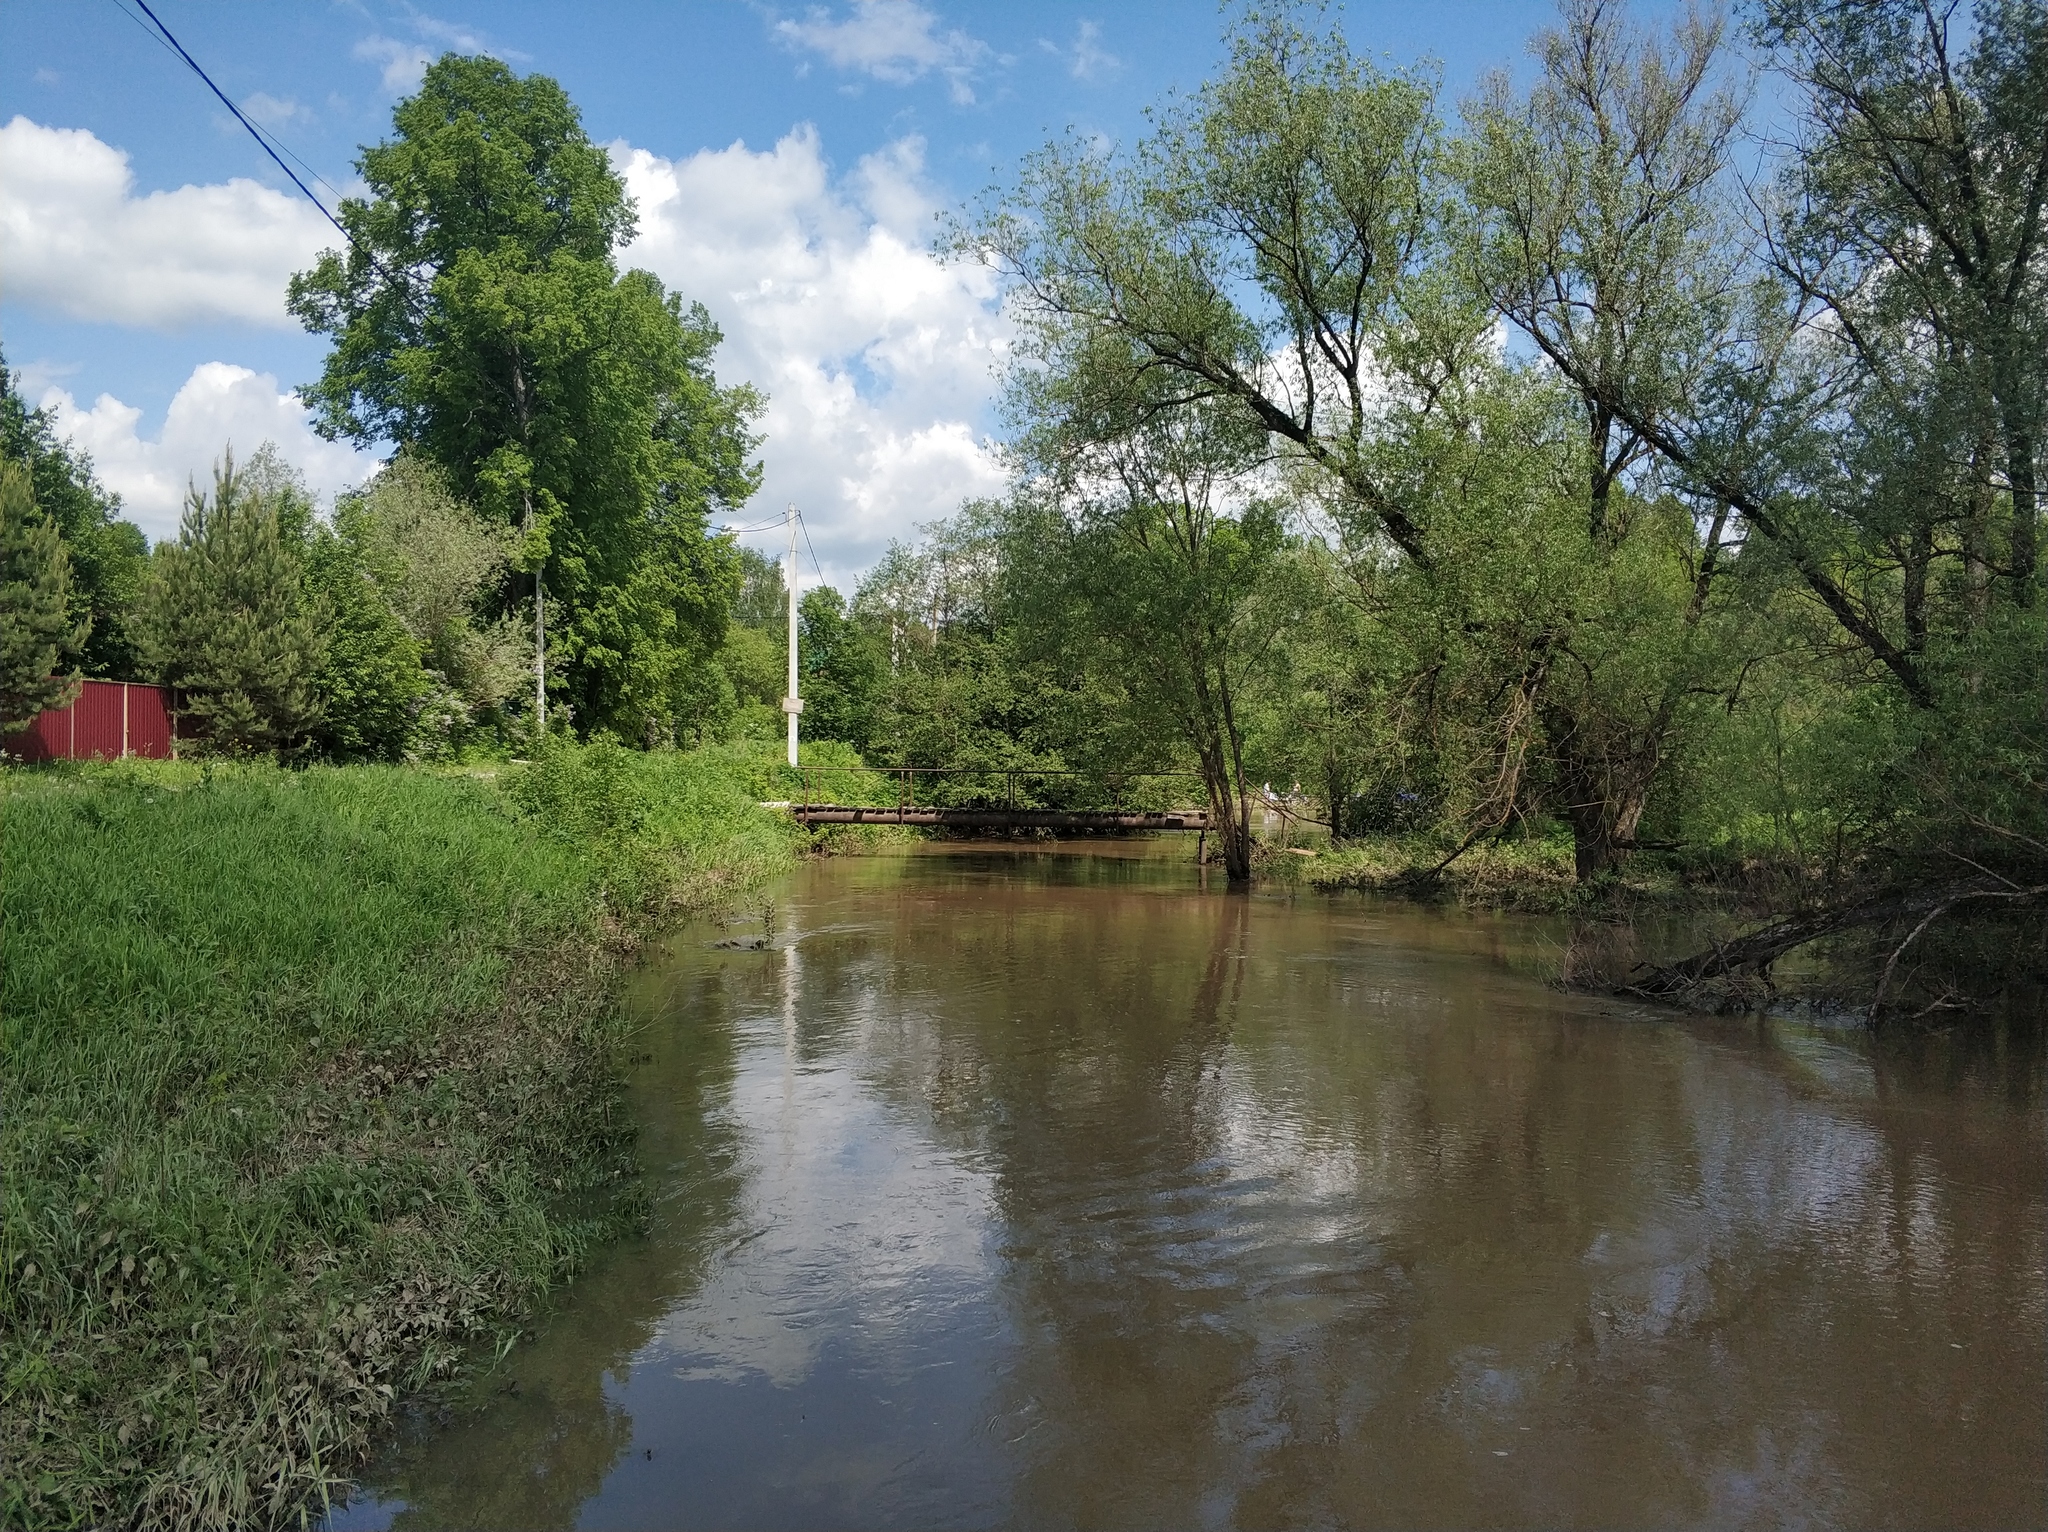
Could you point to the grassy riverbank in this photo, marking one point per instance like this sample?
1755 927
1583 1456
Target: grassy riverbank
311 1080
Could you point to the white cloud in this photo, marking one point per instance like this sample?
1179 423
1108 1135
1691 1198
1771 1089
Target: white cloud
220 405
1087 59
877 357
896 41
405 64
1090 60
274 111
74 238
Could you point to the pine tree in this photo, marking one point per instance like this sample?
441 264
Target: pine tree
225 620
109 557
37 633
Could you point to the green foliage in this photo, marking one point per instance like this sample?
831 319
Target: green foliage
312 1081
369 683
663 828
479 319
844 670
427 563
225 618
1737 548
37 631
109 557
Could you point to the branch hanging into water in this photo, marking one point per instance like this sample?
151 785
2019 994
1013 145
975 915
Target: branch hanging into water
1759 949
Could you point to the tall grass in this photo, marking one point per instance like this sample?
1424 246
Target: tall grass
310 1080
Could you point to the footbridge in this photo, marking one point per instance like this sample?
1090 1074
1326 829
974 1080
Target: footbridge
1001 798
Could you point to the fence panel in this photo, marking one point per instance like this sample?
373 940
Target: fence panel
109 719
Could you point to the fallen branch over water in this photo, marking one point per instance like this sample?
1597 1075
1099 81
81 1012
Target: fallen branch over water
1753 954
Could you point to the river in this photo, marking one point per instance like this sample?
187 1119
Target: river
1054 1189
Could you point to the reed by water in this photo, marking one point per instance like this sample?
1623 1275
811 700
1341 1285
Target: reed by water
311 1081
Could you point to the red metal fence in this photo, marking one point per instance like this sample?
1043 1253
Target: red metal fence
107 720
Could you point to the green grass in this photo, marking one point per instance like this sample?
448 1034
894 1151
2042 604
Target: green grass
311 1080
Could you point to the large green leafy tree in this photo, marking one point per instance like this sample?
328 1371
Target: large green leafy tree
1145 542
845 670
1598 204
479 319
37 633
108 556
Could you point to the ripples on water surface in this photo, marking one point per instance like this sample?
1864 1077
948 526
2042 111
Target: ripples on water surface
1048 1189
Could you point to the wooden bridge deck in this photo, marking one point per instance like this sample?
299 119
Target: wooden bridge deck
995 818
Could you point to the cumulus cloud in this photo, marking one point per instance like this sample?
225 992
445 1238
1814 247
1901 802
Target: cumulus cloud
76 240
404 64
274 111
877 358
895 41
1086 59
220 405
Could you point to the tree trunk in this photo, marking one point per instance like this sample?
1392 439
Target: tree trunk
1603 832
1605 799
1337 794
540 625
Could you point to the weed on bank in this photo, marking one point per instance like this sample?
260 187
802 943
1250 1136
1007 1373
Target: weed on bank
311 1080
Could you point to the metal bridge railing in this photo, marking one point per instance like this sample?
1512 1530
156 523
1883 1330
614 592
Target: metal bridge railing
1117 784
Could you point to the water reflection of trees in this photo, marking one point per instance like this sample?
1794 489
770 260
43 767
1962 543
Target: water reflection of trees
542 1433
1298 1238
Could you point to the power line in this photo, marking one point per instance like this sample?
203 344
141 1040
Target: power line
158 38
261 142
806 529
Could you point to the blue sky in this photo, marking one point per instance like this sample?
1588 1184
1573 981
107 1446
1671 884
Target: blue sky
789 160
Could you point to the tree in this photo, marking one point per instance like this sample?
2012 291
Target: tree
109 557
370 683
844 671
435 563
1145 541
1913 218
37 631
479 319
1267 249
224 618
1598 202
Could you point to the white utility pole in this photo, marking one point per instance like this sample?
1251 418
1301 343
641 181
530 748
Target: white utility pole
792 704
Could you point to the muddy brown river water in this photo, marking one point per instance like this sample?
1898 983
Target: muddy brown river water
1051 1189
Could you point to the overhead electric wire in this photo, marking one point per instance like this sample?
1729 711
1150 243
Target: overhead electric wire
263 142
805 527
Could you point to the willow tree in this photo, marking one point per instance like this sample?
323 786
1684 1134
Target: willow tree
480 319
1290 253
1264 253
1600 209
1145 542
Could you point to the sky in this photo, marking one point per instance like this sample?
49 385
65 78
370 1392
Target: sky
790 164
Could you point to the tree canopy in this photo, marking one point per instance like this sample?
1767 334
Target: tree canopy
480 320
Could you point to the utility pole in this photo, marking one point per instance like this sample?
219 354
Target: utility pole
540 658
792 704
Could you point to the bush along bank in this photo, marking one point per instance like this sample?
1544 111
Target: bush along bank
312 1080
